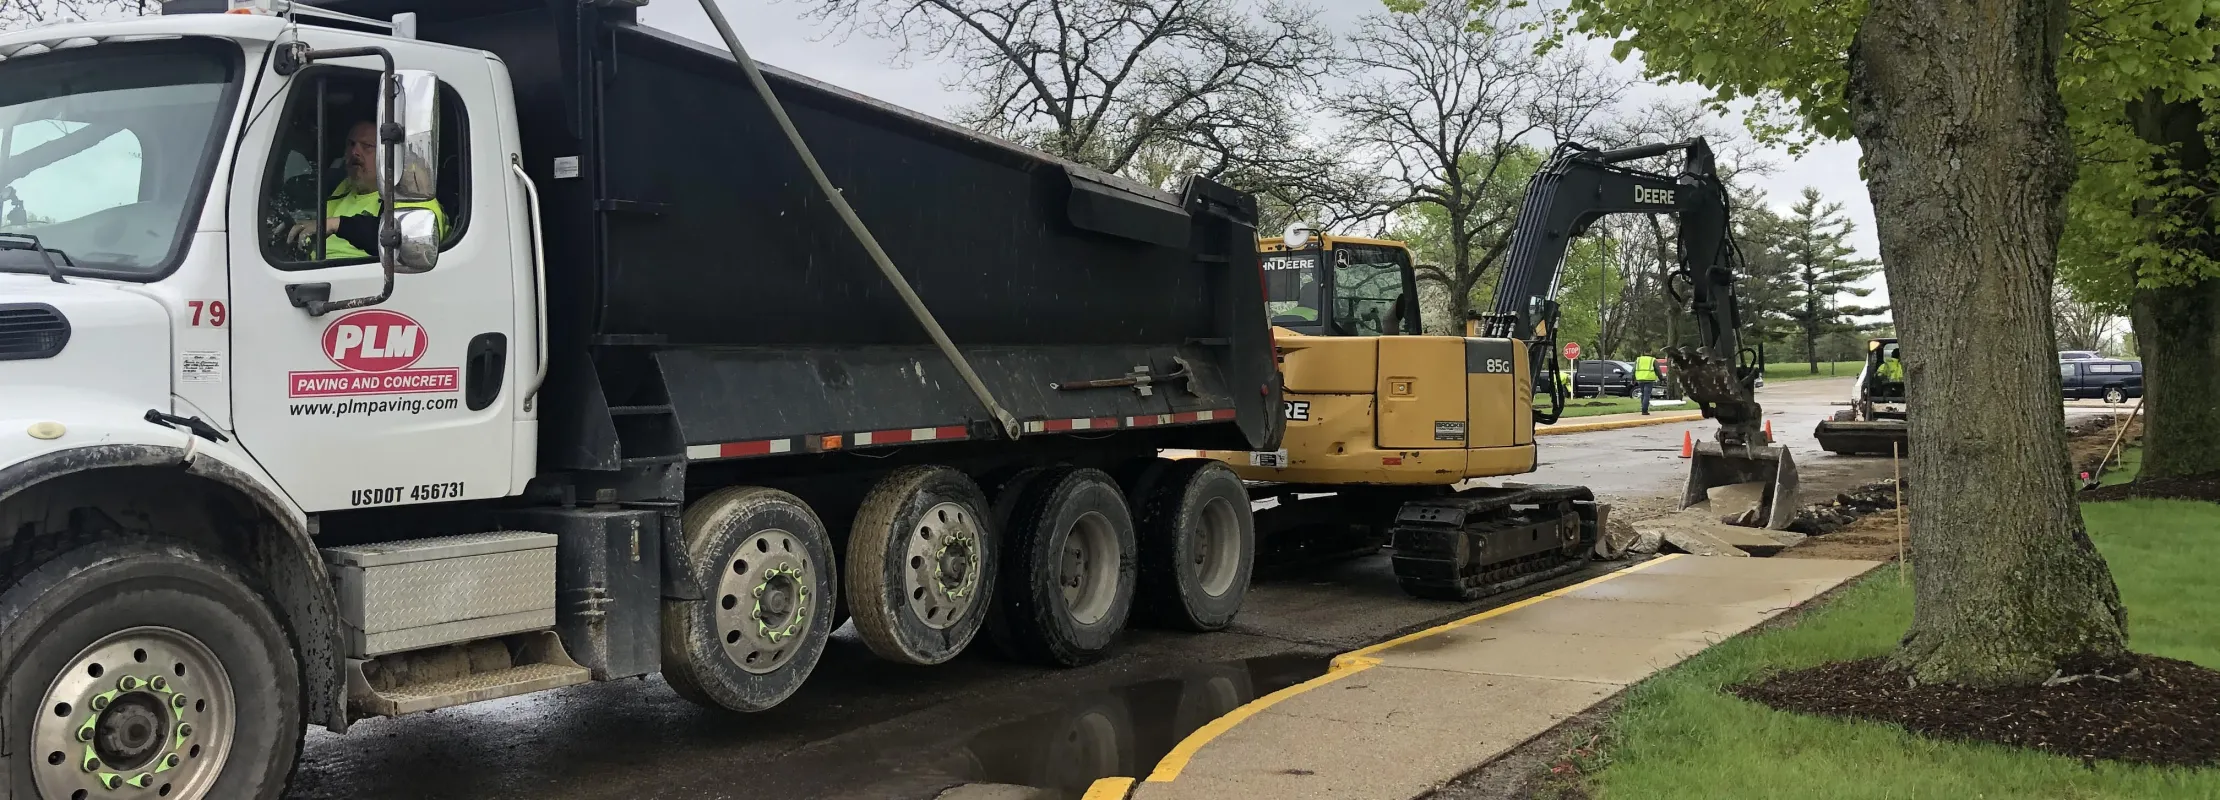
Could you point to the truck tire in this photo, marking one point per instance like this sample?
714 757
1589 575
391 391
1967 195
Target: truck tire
754 639
1198 546
920 565
159 655
2115 395
1068 571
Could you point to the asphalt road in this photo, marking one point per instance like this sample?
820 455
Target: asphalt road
862 728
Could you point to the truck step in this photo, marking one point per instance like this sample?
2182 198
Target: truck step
455 675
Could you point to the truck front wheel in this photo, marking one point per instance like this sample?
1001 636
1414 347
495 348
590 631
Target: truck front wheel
1068 571
767 562
143 666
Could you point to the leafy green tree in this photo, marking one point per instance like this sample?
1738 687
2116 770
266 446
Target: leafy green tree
1969 157
1815 243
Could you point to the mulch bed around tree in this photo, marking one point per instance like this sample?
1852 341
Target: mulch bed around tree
2204 487
2168 714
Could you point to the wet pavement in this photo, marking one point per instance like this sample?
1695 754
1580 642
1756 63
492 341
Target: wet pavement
863 728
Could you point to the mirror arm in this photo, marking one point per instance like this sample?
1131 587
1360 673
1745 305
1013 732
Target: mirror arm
389 143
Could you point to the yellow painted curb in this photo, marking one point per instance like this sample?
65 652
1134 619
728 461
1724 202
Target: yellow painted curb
1117 788
1584 427
1342 666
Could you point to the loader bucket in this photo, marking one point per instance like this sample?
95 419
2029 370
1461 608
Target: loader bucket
1874 437
1714 465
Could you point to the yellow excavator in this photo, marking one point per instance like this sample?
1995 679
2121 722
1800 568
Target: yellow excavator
1387 426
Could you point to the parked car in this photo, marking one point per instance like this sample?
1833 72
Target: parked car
1597 377
2114 380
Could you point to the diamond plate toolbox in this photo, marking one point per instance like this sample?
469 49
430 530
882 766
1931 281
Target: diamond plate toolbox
396 596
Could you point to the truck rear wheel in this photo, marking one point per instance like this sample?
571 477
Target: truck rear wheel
765 564
1068 571
149 668
1198 546
920 565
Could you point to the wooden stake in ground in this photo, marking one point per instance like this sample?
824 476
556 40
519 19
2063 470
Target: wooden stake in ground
1896 463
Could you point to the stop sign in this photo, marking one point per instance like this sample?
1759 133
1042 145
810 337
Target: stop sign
1572 350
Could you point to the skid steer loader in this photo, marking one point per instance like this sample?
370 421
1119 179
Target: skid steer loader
1874 424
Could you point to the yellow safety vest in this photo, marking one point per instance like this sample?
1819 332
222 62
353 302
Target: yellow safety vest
1645 368
343 204
1892 370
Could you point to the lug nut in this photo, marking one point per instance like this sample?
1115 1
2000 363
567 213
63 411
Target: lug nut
185 729
144 780
158 683
127 683
178 701
100 703
172 761
92 764
110 782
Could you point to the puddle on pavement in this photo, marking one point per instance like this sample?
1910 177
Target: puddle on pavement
1120 731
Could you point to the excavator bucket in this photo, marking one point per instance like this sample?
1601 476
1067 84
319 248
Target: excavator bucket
1862 437
1715 465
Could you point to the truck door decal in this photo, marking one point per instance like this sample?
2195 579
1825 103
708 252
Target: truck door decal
374 349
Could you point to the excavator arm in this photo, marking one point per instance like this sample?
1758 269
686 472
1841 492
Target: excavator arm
1578 186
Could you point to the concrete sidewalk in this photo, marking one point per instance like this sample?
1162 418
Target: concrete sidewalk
1400 718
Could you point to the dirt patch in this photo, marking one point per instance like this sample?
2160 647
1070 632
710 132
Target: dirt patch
1845 509
2149 710
2088 438
1871 538
2204 487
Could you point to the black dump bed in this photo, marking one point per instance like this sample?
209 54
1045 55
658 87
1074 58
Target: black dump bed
693 263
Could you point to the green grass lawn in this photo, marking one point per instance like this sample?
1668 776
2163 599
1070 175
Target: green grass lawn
1679 735
2124 468
1598 406
1801 370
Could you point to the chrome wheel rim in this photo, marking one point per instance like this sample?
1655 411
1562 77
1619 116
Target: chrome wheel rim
146 712
1089 573
1216 557
764 601
941 566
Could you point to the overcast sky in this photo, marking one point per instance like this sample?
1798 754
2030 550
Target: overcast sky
773 33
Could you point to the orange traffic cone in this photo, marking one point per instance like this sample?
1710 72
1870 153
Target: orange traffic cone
1768 431
1687 445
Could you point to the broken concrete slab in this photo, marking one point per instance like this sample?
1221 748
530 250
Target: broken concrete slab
1689 533
1738 504
1754 541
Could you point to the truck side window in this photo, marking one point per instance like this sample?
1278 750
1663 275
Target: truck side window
320 202
2066 369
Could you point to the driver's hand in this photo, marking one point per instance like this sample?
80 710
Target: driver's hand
304 233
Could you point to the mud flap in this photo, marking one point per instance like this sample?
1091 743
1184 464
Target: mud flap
1717 465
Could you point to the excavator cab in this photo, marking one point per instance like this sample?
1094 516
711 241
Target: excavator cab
1875 423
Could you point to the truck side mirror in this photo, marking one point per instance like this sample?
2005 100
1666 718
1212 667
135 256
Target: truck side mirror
416 179
418 251
417 104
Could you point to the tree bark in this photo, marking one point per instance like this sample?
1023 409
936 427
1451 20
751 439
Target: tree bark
1956 106
2177 334
2177 328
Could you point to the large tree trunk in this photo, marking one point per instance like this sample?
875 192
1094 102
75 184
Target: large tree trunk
1956 107
2177 328
2177 334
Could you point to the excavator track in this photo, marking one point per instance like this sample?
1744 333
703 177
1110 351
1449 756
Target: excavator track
1480 542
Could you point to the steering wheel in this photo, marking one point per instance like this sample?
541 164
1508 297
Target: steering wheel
293 203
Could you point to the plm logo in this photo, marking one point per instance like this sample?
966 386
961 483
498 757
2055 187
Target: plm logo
374 350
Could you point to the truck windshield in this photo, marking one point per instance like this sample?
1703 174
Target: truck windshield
105 151
1368 282
1291 288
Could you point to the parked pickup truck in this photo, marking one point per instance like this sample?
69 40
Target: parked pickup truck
2115 380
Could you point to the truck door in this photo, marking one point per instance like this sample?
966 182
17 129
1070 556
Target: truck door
412 400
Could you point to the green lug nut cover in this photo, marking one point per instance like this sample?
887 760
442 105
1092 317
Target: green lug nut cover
127 683
92 764
142 781
111 780
178 701
159 683
184 729
100 703
85 731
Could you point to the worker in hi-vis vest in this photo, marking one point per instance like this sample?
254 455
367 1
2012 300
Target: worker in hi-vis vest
1645 378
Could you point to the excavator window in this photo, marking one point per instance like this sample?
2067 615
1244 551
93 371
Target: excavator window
1291 288
1371 292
